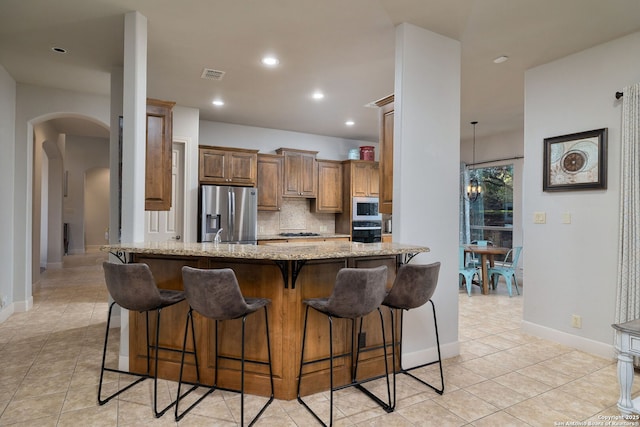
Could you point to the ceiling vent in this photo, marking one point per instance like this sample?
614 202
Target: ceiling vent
211 74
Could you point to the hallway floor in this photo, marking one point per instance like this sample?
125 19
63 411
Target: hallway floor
50 364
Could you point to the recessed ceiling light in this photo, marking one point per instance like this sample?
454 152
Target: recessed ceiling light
349 123
317 95
218 102
501 59
270 61
59 49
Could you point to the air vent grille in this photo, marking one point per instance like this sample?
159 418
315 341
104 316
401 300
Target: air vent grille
211 74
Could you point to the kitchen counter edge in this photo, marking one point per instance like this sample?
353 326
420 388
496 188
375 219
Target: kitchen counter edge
288 252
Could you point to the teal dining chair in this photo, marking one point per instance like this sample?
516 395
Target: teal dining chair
465 272
506 269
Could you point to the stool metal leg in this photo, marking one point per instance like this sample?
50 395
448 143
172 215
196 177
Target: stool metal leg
439 361
354 381
195 354
103 368
242 360
388 407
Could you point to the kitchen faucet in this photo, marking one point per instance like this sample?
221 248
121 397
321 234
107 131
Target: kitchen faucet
216 239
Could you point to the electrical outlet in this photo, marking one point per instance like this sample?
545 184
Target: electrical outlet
323 228
566 218
539 218
576 321
261 229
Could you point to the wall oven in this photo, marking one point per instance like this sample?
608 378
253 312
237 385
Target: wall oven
366 231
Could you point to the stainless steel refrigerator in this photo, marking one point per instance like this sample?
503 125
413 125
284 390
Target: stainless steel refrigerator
232 209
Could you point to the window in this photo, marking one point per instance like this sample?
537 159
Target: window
490 216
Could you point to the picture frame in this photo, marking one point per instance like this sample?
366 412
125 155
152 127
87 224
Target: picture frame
577 161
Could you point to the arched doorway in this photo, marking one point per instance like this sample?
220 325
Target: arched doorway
66 146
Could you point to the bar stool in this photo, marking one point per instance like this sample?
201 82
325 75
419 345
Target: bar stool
215 294
357 292
132 287
413 287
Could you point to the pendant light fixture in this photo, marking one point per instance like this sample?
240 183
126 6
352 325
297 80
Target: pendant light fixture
474 188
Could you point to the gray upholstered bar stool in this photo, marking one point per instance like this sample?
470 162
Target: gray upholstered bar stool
132 287
356 293
413 287
215 294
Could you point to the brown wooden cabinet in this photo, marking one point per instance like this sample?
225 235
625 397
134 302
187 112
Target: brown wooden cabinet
386 154
159 139
228 166
329 198
365 179
300 173
269 182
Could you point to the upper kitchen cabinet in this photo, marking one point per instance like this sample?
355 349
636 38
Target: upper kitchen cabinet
300 173
157 194
228 166
386 154
269 182
329 199
365 178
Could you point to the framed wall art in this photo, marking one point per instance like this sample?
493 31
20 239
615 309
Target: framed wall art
575 162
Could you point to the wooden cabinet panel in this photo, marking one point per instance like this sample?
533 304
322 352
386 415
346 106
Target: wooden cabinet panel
364 179
159 138
329 199
386 155
228 166
269 182
300 173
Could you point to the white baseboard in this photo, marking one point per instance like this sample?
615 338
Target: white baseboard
22 306
580 343
427 355
5 312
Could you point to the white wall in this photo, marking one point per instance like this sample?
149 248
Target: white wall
7 146
81 155
425 176
572 268
96 207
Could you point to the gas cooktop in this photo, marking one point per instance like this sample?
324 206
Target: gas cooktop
298 234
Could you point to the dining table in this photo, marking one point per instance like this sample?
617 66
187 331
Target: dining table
486 253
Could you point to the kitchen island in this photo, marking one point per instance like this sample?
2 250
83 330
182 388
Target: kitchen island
287 273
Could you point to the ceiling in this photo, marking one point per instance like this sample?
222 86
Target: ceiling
344 48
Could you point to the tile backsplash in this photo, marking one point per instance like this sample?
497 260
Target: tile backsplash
295 216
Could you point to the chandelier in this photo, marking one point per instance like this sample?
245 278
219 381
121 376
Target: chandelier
474 189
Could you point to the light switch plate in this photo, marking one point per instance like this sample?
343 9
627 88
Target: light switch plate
539 218
566 218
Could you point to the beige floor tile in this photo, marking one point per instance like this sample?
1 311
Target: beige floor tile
496 394
522 384
33 408
465 405
94 416
502 419
437 415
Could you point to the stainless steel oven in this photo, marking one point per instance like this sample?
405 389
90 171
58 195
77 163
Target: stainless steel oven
366 231
366 209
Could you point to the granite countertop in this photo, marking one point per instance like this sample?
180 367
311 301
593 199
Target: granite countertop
271 251
319 237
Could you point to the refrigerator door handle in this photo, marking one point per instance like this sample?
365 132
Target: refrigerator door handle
232 211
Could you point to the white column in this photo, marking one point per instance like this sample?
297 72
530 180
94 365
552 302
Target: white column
426 174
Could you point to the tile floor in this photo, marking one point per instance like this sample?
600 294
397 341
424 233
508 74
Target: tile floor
50 358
